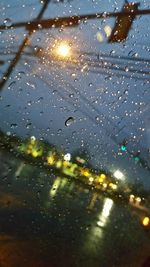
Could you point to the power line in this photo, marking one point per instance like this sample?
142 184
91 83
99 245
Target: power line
71 21
38 24
21 48
113 137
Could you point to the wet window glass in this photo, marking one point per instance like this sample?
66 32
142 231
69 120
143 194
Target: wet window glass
74 133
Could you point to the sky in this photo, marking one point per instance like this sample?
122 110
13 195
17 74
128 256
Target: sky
106 106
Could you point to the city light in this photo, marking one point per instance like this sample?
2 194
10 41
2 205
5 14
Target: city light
50 160
91 179
138 200
131 198
123 148
146 221
63 50
67 157
118 175
103 176
113 186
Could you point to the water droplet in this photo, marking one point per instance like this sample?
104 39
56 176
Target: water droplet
29 103
13 125
38 39
12 84
7 22
69 121
20 74
85 21
40 99
97 118
71 95
126 92
36 48
90 84
28 125
54 92
74 133
31 85
59 131
112 52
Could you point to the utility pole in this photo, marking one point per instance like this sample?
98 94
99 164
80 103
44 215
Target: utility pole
21 48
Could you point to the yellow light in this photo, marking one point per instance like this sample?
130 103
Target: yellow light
146 221
55 187
102 176
113 186
86 173
138 199
104 185
131 198
59 164
29 151
91 179
32 140
99 37
34 153
107 30
63 50
50 160
66 163
100 180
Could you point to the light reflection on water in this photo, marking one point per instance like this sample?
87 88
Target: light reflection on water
96 234
70 217
103 217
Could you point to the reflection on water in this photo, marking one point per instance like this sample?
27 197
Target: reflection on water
96 233
103 217
55 187
47 219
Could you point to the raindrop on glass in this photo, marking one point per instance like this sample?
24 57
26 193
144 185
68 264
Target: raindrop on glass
7 22
69 121
97 118
13 125
71 95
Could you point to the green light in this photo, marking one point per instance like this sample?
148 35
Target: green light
123 148
136 159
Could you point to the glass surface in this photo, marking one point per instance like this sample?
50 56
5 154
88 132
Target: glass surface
74 133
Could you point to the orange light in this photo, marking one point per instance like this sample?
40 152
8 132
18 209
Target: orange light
146 221
63 50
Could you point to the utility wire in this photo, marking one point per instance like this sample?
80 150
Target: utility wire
56 22
71 21
21 48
